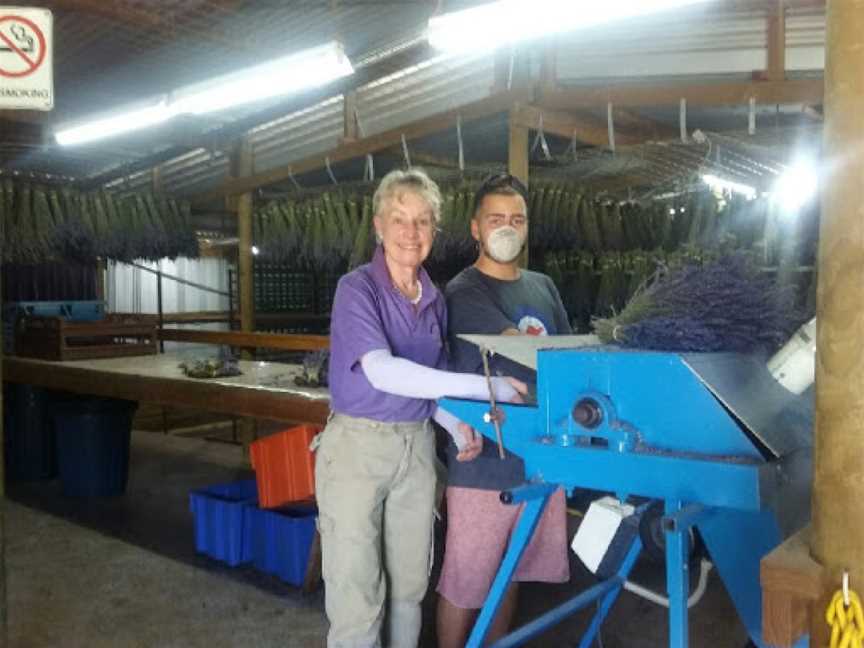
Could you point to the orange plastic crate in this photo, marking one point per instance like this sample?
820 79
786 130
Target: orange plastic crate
284 466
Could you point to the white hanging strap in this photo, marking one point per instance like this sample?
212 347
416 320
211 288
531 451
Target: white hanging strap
510 69
682 120
751 118
540 139
330 171
611 124
405 153
369 171
293 179
459 141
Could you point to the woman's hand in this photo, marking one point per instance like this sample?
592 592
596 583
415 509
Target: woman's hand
509 390
473 443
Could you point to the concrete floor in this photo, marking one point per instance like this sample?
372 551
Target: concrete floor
122 571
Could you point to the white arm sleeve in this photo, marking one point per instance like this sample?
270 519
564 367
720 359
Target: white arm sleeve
403 377
450 423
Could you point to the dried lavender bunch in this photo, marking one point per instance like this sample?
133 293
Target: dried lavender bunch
727 304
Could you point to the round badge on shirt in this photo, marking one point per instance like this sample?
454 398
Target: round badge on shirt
530 325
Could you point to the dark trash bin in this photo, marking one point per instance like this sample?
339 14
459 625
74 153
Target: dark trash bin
29 425
93 445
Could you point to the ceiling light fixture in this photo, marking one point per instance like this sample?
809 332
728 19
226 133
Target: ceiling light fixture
488 26
289 74
115 125
282 76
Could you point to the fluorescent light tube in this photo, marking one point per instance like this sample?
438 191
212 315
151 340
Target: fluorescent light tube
306 69
115 125
510 21
282 76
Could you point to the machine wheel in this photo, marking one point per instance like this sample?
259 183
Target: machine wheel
654 537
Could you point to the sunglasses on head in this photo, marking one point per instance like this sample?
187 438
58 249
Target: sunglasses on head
496 182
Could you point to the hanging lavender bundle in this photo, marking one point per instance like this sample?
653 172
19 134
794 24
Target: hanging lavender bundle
724 305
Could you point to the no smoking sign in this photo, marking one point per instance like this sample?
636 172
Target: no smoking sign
26 53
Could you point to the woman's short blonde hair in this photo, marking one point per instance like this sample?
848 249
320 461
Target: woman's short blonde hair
414 180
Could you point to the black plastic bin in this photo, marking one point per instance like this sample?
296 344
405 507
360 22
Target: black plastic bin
93 445
29 425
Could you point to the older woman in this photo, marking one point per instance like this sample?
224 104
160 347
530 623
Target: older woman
375 474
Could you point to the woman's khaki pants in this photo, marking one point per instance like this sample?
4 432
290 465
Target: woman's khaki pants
375 485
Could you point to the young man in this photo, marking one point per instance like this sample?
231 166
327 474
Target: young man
495 296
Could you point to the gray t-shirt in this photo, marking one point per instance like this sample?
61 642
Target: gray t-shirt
478 303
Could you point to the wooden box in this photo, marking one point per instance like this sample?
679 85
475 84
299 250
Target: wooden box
54 338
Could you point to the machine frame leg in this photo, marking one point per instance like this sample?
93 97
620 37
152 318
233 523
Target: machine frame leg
677 573
535 497
605 592
610 597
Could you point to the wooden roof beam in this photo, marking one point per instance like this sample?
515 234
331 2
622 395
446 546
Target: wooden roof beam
371 144
735 93
585 128
420 158
650 128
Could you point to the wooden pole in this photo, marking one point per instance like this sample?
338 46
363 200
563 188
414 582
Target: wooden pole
838 480
517 151
776 59
244 233
517 162
243 167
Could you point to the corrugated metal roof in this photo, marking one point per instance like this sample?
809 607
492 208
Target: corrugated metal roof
186 42
129 50
717 45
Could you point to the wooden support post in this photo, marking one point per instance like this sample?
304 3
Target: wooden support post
243 167
517 151
517 162
838 507
243 164
776 59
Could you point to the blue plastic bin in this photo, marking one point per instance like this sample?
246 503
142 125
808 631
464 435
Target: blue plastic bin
93 445
74 311
281 541
29 422
222 521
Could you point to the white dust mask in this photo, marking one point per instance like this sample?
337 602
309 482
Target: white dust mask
504 244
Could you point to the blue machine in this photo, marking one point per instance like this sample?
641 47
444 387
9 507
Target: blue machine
712 436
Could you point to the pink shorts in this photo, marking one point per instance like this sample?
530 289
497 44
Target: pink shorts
478 532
